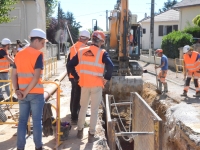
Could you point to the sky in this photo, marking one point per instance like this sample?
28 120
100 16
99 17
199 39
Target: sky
85 11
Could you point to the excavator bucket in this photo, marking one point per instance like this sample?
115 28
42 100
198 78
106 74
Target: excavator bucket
121 86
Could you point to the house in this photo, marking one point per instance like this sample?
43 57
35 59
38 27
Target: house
164 23
188 9
29 14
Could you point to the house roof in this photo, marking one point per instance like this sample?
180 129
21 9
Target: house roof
169 15
187 3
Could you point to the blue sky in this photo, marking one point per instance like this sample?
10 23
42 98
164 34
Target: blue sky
86 10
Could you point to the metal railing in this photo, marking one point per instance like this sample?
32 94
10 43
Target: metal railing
57 108
52 50
146 124
179 66
50 68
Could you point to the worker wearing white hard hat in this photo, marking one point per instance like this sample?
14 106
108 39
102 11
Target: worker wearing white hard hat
5 61
191 60
84 36
27 82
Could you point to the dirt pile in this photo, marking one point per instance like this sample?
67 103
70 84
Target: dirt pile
149 93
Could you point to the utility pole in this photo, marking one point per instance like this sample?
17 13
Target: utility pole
58 55
106 20
152 24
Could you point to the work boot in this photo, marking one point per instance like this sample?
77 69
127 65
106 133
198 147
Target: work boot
184 93
197 94
91 138
74 122
41 148
80 134
165 87
160 86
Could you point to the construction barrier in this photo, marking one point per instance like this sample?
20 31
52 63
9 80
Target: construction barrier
50 68
145 123
57 108
179 66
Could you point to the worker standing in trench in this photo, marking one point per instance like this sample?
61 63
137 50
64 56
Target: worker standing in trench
191 67
163 72
91 61
75 88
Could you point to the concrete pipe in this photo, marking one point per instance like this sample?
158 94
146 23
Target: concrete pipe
51 88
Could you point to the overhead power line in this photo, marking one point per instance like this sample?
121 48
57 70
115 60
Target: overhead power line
91 13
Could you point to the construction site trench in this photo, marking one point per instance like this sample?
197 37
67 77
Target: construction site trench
179 129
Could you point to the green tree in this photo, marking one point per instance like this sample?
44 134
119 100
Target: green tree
73 26
196 20
167 5
50 6
5 7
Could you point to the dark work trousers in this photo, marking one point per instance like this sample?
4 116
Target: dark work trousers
75 99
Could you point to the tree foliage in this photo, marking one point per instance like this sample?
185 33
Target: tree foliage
58 27
50 6
196 20
173 41
167 5
5 7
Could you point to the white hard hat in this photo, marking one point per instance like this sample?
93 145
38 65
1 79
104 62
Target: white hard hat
186 48
6 41
85 33
38 33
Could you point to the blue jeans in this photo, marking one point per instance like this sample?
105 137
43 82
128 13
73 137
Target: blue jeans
4 76
33 103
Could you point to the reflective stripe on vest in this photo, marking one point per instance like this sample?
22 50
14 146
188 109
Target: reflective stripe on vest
23 86
27 75
95 64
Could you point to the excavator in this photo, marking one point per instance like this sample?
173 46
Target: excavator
127 74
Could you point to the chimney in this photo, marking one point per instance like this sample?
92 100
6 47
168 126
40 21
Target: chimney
145 15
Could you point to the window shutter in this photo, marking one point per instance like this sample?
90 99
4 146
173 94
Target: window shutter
160 30
175 27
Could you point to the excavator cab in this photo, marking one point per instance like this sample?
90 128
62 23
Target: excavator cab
127 75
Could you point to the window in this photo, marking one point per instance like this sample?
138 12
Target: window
144 31
164 30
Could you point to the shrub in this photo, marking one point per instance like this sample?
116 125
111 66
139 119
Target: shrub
173 41
194 30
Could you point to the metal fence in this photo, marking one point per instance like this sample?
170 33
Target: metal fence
52 50
146 124
179 65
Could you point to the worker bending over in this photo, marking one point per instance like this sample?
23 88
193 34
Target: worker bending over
191 67
76 89
91 61
163 72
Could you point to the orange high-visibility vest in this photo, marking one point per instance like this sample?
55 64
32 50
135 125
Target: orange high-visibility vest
25 62
131 38
191 63
91 66
4 64
73 51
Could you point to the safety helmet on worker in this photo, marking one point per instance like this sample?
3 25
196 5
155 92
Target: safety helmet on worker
38 33
99 34
6 41
85 33
186 48
159 51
